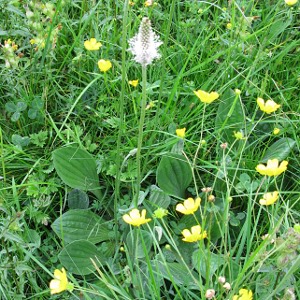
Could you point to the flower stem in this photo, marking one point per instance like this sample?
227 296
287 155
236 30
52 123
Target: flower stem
121 114
140 135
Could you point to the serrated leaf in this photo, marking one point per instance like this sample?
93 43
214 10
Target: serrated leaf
77 224
77 168
78 199
280 149
174 175
76 257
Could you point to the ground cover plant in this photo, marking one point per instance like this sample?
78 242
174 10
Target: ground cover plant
149 149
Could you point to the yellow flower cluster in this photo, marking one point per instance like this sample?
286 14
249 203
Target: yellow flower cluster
189 206
92 45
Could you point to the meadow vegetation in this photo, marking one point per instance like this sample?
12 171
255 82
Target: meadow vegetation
149 150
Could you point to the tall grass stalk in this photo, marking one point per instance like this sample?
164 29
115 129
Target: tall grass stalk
140 134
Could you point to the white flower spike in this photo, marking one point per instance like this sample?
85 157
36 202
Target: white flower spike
144 45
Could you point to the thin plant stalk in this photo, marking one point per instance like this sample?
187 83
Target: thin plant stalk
121 114
140 134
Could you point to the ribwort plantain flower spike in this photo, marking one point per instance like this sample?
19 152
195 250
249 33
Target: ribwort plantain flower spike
144 45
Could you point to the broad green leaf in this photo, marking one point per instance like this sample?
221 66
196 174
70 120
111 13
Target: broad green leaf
32 113
10 107
158 198
78 199
21 106
15 116
77 224
176 273
204 261
134 243
277 28
174 175
77 168
280 149
230 116
76 257
21 141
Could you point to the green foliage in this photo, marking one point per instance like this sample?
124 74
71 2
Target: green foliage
174 175
279 149
78 199
77 224
77 168
230 116
80 256
69 137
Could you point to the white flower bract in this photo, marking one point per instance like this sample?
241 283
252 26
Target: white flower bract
144 45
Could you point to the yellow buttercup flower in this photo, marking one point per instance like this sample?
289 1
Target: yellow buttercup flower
206 97
276 131
273 168
194 234
60 282
135 218
269 198
189 206
290 2
92 44
268 107
134 83
104 65
243 295
180 132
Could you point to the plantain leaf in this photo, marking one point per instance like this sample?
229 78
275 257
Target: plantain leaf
158 198
78 199
174 175
280 149
77 224
76 257
77 168
176 273
139 244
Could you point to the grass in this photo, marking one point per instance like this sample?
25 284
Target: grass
79 151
